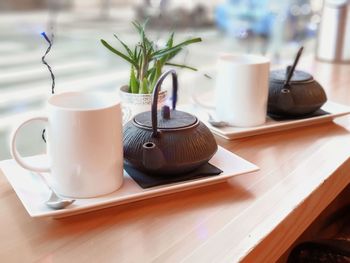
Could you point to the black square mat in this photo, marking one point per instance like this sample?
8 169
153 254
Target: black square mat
317 113
146 181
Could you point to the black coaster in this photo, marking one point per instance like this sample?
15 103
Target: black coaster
146 181
317 113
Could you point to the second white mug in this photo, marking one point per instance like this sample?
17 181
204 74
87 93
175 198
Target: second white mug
242 89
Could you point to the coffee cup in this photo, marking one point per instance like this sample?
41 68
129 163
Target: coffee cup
242 87
84 144
241 90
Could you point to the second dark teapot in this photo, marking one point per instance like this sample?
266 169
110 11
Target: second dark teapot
294 93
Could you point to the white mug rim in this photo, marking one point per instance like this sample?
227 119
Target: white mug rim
110 101
243 59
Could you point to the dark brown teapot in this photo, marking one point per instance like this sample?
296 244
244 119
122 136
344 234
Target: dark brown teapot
167 142
294 93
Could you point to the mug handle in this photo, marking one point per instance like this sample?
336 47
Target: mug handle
17 157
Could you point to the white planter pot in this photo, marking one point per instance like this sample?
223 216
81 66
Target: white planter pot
137 103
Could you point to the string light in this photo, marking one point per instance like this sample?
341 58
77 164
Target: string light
45 63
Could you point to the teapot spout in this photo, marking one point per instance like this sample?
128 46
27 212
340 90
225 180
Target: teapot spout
153 157
285 99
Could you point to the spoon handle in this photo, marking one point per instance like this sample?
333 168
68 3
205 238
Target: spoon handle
43 178
291 70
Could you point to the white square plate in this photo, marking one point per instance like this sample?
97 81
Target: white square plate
335 110
33 192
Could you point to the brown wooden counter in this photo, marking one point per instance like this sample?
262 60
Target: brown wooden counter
253 217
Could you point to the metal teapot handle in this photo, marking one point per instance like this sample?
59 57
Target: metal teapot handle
155 98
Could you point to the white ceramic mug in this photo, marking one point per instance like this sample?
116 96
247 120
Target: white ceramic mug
242 89
84 144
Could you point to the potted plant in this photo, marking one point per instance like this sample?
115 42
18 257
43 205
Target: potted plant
146 61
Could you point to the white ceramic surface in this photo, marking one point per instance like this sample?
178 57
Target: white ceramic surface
231 132
33 192
84 141
137 103
242 89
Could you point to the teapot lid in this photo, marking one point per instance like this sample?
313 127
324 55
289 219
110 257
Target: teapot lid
298 76
167 119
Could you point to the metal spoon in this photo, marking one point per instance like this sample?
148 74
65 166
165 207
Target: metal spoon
55 201
217 123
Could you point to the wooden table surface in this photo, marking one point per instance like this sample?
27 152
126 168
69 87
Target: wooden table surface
253 217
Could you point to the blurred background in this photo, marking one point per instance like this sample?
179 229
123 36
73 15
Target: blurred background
273 28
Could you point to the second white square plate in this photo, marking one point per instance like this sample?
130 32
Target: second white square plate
335 110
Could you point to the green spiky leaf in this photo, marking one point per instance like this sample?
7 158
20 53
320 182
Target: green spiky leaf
131 54
120 54
134 86
165 51
147 60
144 86
180 66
